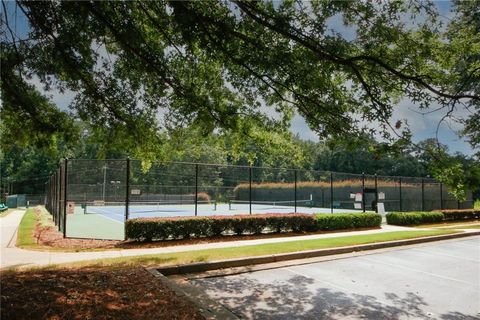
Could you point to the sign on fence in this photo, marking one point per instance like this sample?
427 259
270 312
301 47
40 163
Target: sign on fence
70 207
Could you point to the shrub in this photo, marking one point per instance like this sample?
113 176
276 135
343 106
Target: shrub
300 223
203 196
184 227
411 218
147 229
347 221
460 214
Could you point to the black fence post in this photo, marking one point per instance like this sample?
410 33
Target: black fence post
331 192
196 189
65 181
295 174
127 192
423 194
441 196
323 198
54 198
250 189
58 196
363 191
400 189
376 194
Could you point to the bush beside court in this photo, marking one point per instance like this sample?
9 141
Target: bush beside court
348 221
461 214
147 229
421 217
412 218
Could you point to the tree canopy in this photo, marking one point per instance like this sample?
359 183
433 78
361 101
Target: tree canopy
142 70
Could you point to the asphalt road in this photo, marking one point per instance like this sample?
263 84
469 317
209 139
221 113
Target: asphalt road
434 281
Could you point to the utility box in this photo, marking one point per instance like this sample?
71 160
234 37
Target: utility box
16 200
12 201
21 200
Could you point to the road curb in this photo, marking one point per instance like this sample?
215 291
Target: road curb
242 262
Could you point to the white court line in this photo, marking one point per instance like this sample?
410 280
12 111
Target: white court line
103 215
414 270
121 222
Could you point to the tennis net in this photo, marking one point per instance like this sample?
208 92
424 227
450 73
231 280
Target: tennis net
146 206
266 205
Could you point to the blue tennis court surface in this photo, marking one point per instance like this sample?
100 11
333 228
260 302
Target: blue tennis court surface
117 212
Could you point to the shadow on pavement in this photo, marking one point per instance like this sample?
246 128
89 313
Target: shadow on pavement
299 298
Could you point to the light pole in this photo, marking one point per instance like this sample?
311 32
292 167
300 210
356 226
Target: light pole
116 185
104 180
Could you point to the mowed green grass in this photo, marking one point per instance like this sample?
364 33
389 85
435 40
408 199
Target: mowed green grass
469 224
25 237
256 250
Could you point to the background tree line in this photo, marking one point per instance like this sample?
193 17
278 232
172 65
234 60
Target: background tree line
31 166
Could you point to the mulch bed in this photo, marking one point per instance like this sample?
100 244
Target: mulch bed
90 293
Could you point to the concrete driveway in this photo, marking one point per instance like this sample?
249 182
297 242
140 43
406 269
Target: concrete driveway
433 281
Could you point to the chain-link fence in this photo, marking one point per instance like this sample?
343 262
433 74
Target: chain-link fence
94 198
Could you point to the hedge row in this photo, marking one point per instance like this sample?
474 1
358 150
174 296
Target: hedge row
461 214
409 218
185 227
348 221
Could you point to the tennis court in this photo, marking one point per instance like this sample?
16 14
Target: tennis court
87 197
105 220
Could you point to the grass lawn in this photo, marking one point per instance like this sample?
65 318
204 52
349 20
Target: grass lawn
477 226
25 238
255 250
469 224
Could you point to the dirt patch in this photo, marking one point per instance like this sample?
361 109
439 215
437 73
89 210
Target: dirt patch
90 293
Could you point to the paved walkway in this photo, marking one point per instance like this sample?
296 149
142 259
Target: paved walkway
12 256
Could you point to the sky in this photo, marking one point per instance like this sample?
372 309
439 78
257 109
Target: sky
422 126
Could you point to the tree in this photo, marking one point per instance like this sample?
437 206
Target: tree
140 69
217 62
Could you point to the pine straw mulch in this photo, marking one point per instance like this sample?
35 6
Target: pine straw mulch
90 293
